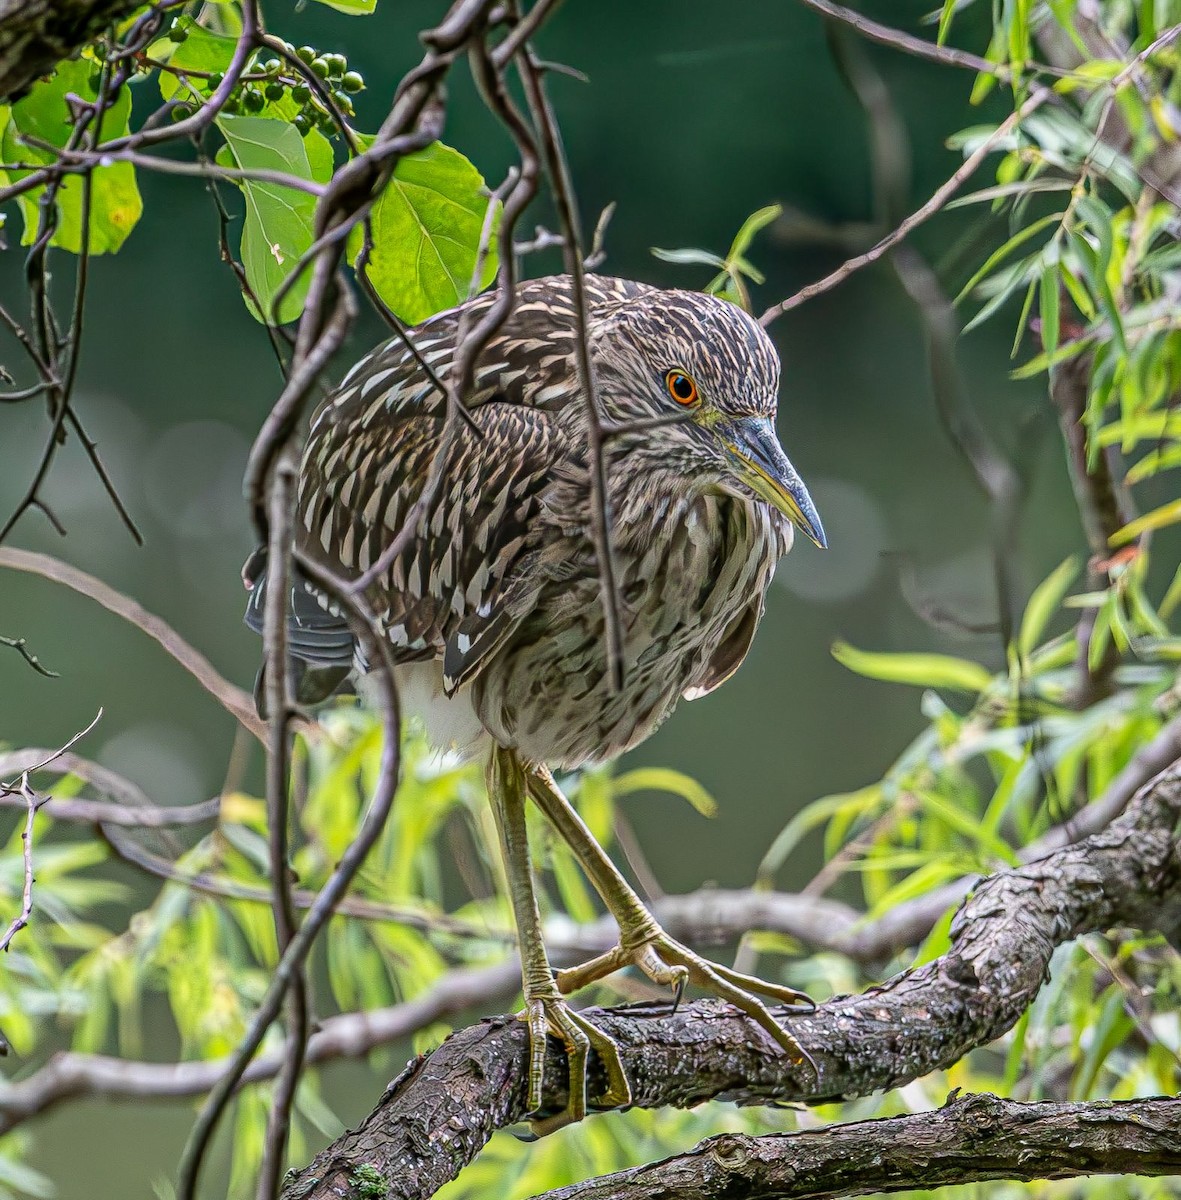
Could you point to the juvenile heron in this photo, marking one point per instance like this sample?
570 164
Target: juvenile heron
493 607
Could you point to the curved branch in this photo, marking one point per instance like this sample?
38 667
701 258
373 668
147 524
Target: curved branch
438 1114
233 699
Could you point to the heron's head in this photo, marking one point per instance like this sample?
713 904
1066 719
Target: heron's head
711 371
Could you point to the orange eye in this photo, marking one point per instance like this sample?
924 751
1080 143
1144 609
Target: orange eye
681 387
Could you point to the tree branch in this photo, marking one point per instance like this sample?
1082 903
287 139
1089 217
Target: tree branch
437 1115
971 1138
35 35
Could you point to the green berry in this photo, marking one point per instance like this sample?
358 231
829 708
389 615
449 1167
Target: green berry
337 63
305 54
275 91
253 101
177 33
327 123
179 113
320 68
272 66
343 103
301 93
352 82
215 80
303 123
233 105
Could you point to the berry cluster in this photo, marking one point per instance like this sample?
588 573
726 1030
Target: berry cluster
272 79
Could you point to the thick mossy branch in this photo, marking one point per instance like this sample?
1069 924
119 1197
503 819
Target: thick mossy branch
435 1117
35 35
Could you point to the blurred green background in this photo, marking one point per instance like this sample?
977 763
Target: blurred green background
695 114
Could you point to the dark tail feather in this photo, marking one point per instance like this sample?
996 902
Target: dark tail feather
320 643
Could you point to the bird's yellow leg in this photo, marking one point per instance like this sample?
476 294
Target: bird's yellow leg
642 942
545 1009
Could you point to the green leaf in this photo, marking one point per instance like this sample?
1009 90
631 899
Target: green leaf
353 8
279 220
1048 307
1046 600
1166 514
661 779
426 233
757 220
919 670
202 52
115 204
945 19
690 257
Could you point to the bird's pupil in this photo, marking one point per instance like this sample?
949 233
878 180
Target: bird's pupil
682 388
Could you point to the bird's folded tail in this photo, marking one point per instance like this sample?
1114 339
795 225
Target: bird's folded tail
321 646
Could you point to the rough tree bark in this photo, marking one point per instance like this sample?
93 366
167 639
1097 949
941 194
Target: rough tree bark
435 1117
35 35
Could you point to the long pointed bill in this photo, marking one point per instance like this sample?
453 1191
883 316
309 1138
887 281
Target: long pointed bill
761 464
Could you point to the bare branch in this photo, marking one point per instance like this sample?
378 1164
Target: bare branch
232 698
924 212
22 918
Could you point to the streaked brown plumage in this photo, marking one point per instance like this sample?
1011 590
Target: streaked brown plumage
493 608
497 597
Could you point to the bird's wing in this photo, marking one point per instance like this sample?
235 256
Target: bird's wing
461 580
728 654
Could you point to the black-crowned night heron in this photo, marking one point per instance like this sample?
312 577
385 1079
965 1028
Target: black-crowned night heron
494 609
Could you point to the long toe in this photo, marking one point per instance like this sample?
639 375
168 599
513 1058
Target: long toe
579 1036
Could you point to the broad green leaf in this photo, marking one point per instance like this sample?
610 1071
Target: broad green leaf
115 204
1046 600
661 779
427 226
920 670
279 220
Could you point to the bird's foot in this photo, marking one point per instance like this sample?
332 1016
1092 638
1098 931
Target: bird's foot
670 964
547 1012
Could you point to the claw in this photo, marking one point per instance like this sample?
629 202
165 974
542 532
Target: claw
669 964
546 1014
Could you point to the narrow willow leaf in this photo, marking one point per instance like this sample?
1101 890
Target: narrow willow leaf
352 8
945 19
919 670
1046 600
427 225
757 220
1048 308
662 779
690 257
999 255
1166 514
